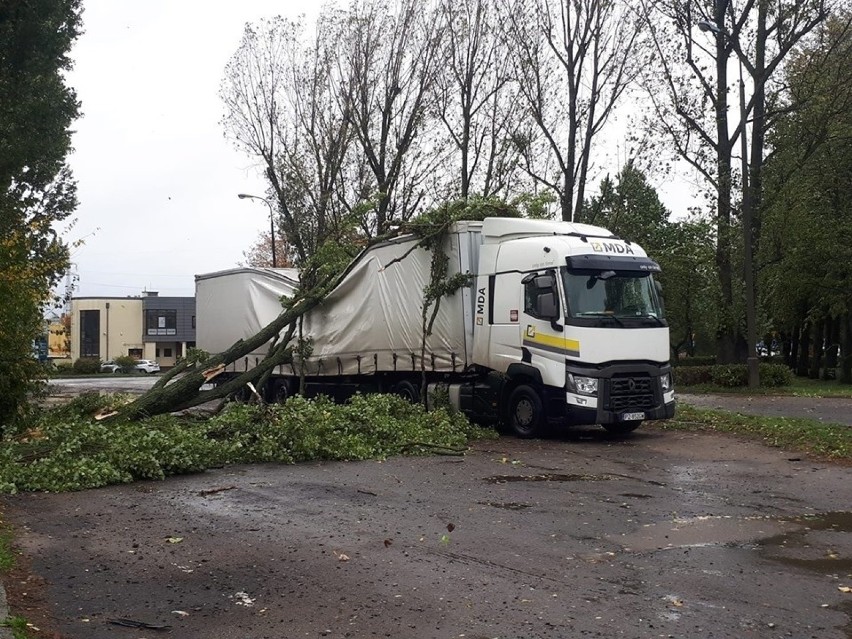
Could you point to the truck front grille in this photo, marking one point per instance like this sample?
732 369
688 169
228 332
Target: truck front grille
630 393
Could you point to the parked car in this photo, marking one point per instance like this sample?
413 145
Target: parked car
110 367
147 366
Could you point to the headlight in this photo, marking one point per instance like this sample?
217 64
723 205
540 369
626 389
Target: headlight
666 382
583 385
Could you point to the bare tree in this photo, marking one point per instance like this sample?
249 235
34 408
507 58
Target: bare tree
573 60
391 61
690 92
287 107
476 99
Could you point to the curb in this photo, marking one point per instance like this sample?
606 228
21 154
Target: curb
5 633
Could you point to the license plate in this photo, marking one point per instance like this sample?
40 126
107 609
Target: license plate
632 417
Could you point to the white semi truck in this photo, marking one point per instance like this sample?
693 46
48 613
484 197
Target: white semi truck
562 324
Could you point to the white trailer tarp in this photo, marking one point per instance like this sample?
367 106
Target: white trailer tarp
371 322
235 304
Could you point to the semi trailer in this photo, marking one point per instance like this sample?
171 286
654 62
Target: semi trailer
559 324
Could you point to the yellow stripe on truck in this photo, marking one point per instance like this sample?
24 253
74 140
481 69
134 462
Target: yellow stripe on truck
554 344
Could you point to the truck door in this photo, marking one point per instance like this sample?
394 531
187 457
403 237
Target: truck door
542 330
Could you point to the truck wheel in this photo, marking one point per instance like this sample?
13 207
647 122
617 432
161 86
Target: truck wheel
278 393
526 413
407 390
242 396
622 428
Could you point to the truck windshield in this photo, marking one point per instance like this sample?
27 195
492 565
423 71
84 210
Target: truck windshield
620 295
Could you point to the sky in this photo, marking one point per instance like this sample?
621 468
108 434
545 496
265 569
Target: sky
157 180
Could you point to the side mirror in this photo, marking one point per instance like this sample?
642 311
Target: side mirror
547 306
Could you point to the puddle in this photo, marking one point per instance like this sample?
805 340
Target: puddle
505 506
555 477
808 542
838 521
702 531
637 495
794 548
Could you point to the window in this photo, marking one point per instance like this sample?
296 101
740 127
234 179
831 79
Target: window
160 322
623 294
157 352
90 333
167 352
135 353
193 321
540 295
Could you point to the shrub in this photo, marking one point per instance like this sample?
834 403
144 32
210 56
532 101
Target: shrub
693 361
126 362
87 366
732 375
63 368
691 375
729 375
775 375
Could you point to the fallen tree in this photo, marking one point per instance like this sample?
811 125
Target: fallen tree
181 388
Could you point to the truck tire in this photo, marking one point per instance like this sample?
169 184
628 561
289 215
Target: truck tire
622 428
279 391
525 413
407 390
242 396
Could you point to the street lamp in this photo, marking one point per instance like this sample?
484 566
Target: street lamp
244 196
748 249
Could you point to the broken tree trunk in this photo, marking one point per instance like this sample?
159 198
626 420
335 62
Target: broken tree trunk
180 393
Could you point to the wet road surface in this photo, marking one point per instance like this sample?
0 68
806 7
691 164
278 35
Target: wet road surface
658 535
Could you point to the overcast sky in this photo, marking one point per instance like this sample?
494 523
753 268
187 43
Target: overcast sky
158 181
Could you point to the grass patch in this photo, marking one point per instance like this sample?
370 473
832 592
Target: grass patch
799 387
19 627
832 441
7 556
66 449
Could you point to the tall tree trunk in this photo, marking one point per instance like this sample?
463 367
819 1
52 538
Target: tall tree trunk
792 356
816 360
832 329
846 362
804 350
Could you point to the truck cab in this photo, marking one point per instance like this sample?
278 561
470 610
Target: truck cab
573 319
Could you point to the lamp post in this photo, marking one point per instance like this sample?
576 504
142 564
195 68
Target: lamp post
244 196
748 249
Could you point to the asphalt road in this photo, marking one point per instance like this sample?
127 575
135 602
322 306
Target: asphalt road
658 535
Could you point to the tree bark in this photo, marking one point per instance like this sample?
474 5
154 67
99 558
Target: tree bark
793 354
804 350
832 326
184 392
816 360
846 362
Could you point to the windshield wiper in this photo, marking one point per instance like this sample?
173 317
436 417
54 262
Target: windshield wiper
655 318
602 315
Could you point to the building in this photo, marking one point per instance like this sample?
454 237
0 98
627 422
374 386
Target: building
145 327
169 327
